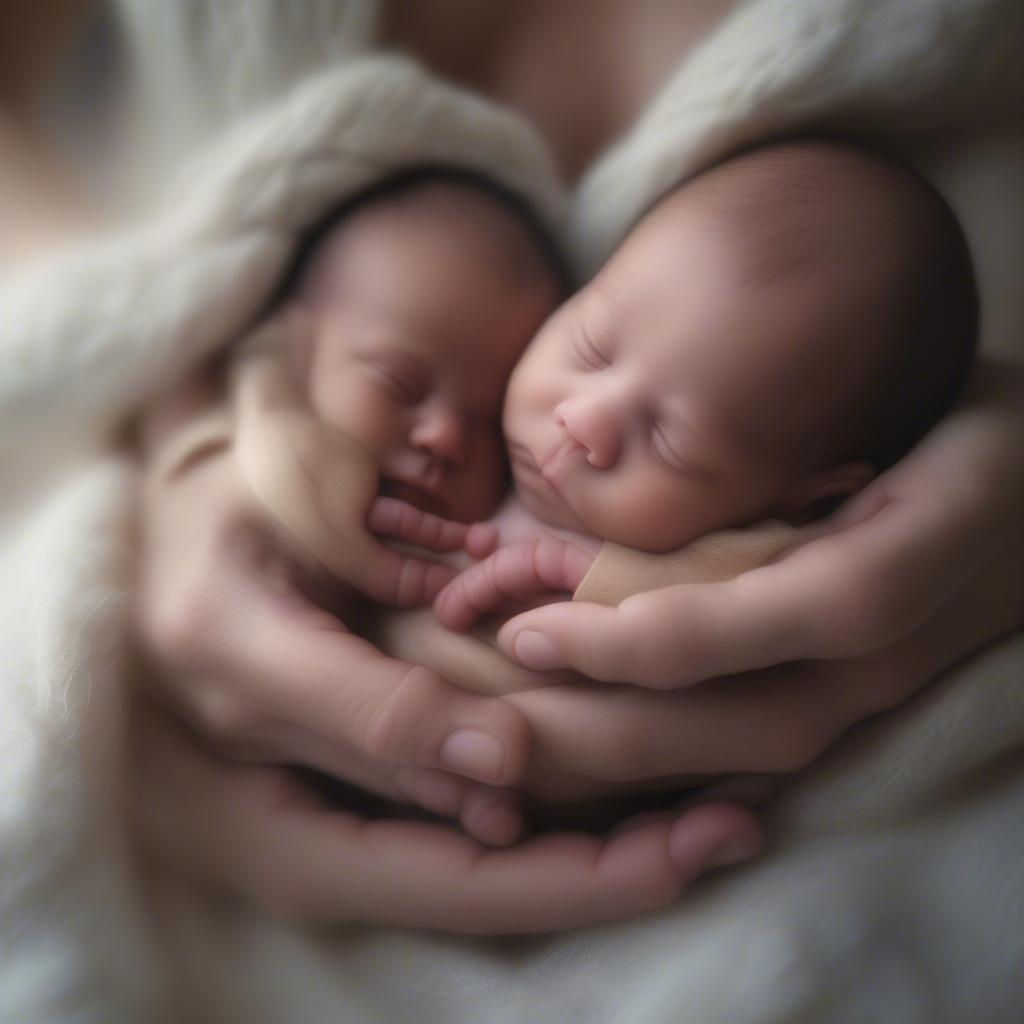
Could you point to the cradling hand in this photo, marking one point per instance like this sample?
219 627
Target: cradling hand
265 674
923 567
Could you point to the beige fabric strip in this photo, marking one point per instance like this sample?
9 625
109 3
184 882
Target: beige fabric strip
619 572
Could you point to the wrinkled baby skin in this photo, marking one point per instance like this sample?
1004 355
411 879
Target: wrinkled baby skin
419 315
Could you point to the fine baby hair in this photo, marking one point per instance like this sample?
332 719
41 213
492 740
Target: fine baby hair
817 206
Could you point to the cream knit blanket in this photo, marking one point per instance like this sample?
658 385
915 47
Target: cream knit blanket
895 891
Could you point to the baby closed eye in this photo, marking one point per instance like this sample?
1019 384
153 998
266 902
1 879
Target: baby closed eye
670 458
406 387
588 354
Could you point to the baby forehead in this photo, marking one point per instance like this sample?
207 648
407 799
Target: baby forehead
444 225
797 207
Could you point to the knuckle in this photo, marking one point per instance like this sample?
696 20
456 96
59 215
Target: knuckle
390 728
410 585
176 627
648 657
489 579
542 553
407 521
236 725
433 530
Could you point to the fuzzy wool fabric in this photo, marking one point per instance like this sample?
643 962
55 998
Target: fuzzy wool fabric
894 890
85 341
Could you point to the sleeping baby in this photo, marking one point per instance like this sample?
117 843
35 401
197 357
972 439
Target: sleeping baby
369 404
771 335
768 338
378 392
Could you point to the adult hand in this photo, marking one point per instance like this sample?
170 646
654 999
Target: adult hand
922 568
255 832
268 675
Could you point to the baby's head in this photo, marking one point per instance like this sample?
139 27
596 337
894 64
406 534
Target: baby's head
769 336
423 294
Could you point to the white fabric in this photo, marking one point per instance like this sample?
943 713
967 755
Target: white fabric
895 890
85 340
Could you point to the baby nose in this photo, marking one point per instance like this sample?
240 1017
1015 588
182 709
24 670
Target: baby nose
592 426
439 431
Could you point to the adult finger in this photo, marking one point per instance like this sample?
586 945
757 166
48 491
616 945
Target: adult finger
417 875
860 583
847 594
589 738
237 616
491 814
774 720
303 862
259 833
342 689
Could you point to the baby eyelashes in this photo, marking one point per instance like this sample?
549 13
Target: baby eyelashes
513 574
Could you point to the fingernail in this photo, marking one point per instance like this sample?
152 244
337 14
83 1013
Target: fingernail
726 856
536 651
475 753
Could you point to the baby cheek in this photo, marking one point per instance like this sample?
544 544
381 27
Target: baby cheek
360 410
606 504
536 389
650 514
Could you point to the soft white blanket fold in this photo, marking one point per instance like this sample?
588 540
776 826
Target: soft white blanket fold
84 341
895 891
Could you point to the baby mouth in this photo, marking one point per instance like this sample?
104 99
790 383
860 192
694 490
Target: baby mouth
423 499
539 485
557 466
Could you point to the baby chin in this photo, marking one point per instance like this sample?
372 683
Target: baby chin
422 499
542 495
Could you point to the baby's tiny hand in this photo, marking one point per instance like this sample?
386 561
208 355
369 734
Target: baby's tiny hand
399 520
414 580
514 573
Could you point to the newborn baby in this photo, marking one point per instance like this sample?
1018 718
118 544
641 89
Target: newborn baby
740 356
385 377
769 337
371 402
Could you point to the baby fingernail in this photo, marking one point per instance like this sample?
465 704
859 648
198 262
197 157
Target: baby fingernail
727 856
475 753
536 651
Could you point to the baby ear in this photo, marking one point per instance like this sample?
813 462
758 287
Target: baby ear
819 492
